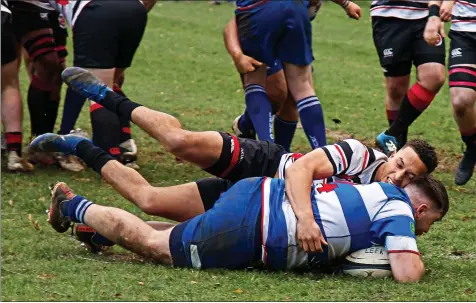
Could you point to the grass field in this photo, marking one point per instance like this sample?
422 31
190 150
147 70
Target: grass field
182 68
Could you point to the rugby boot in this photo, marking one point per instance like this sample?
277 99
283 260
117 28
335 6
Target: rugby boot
85 83
388 144
60 193
465 169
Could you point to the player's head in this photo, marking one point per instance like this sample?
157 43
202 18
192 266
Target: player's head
415 159
430 202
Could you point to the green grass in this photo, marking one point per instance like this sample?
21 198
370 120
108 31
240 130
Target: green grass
182 68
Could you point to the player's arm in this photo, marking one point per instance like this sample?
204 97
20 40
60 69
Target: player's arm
406 267
434 29
351 8
148 4
446 9
244 64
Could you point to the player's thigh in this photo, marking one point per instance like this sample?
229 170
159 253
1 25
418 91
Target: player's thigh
133 27
226 236
259 30
244 158
276 86
422 52
9 50
295 43
299 80
96 37
393 39
462 60
60 34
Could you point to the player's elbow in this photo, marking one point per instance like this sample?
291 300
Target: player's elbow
410 273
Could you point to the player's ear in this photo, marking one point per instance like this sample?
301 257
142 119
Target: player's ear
421 209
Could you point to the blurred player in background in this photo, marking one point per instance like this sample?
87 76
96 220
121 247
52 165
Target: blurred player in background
11 106
462 71
398 37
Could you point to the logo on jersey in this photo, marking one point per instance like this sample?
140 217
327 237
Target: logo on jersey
44 15
412 227
388 52
456 52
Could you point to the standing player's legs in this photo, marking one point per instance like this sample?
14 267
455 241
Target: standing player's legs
33 30
430 64
462 81
11 106
295 51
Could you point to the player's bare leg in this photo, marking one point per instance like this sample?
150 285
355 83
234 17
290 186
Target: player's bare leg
115 224
396 88
200 148
300 84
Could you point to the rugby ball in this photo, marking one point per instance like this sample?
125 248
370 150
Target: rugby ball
370 262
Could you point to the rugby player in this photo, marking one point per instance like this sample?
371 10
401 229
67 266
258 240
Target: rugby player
462 72
398 28
234 158
105 43
283 105
255 223
11 97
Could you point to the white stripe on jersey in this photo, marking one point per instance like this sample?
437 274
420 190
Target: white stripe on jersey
296 256
45 4
265 216
394 208
385 8
5 7
395 244
369 196
466 10
70 9
334 224
196 263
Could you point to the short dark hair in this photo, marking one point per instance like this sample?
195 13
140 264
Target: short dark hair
434 190
425 152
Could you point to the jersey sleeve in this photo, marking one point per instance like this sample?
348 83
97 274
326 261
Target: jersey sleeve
349 157
394 226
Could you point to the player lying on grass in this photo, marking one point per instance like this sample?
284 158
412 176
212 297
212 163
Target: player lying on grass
255 222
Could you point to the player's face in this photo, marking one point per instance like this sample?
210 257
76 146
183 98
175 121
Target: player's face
403 167
424 218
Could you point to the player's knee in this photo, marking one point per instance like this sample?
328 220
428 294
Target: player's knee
48 66
396 91
432 81
460 101
146 200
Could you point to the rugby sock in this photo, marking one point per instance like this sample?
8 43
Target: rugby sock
38 100
118 104
94 156
72 108
14 140
312 120
284 132
260 111
75 208
124 122
244 123
414 103
51 113
392 116
106 129
468 137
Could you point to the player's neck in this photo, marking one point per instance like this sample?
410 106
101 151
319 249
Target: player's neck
380 172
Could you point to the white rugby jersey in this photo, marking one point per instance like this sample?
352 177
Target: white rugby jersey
351 159
70 9
404 9
463 17
351 217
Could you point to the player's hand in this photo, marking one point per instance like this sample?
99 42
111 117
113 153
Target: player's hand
434 31
353 11
445 10
309 235
245 64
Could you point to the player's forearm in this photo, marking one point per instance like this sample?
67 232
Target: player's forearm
298 190
343 3
232 42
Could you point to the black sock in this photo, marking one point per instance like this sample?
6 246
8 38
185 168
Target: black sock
123 121
94 156
118 104
469 138
38 97
106 130
51 113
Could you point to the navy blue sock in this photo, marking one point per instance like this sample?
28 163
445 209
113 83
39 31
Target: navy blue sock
259 109
312 120
244 123
75 208
284 132
72 108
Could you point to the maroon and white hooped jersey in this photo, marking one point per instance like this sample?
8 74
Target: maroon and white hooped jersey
352 161
5 7
405 9
70 9
463 17
44 4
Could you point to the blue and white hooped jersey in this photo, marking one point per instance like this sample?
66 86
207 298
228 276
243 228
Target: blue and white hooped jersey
403 9
351 217
463 17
